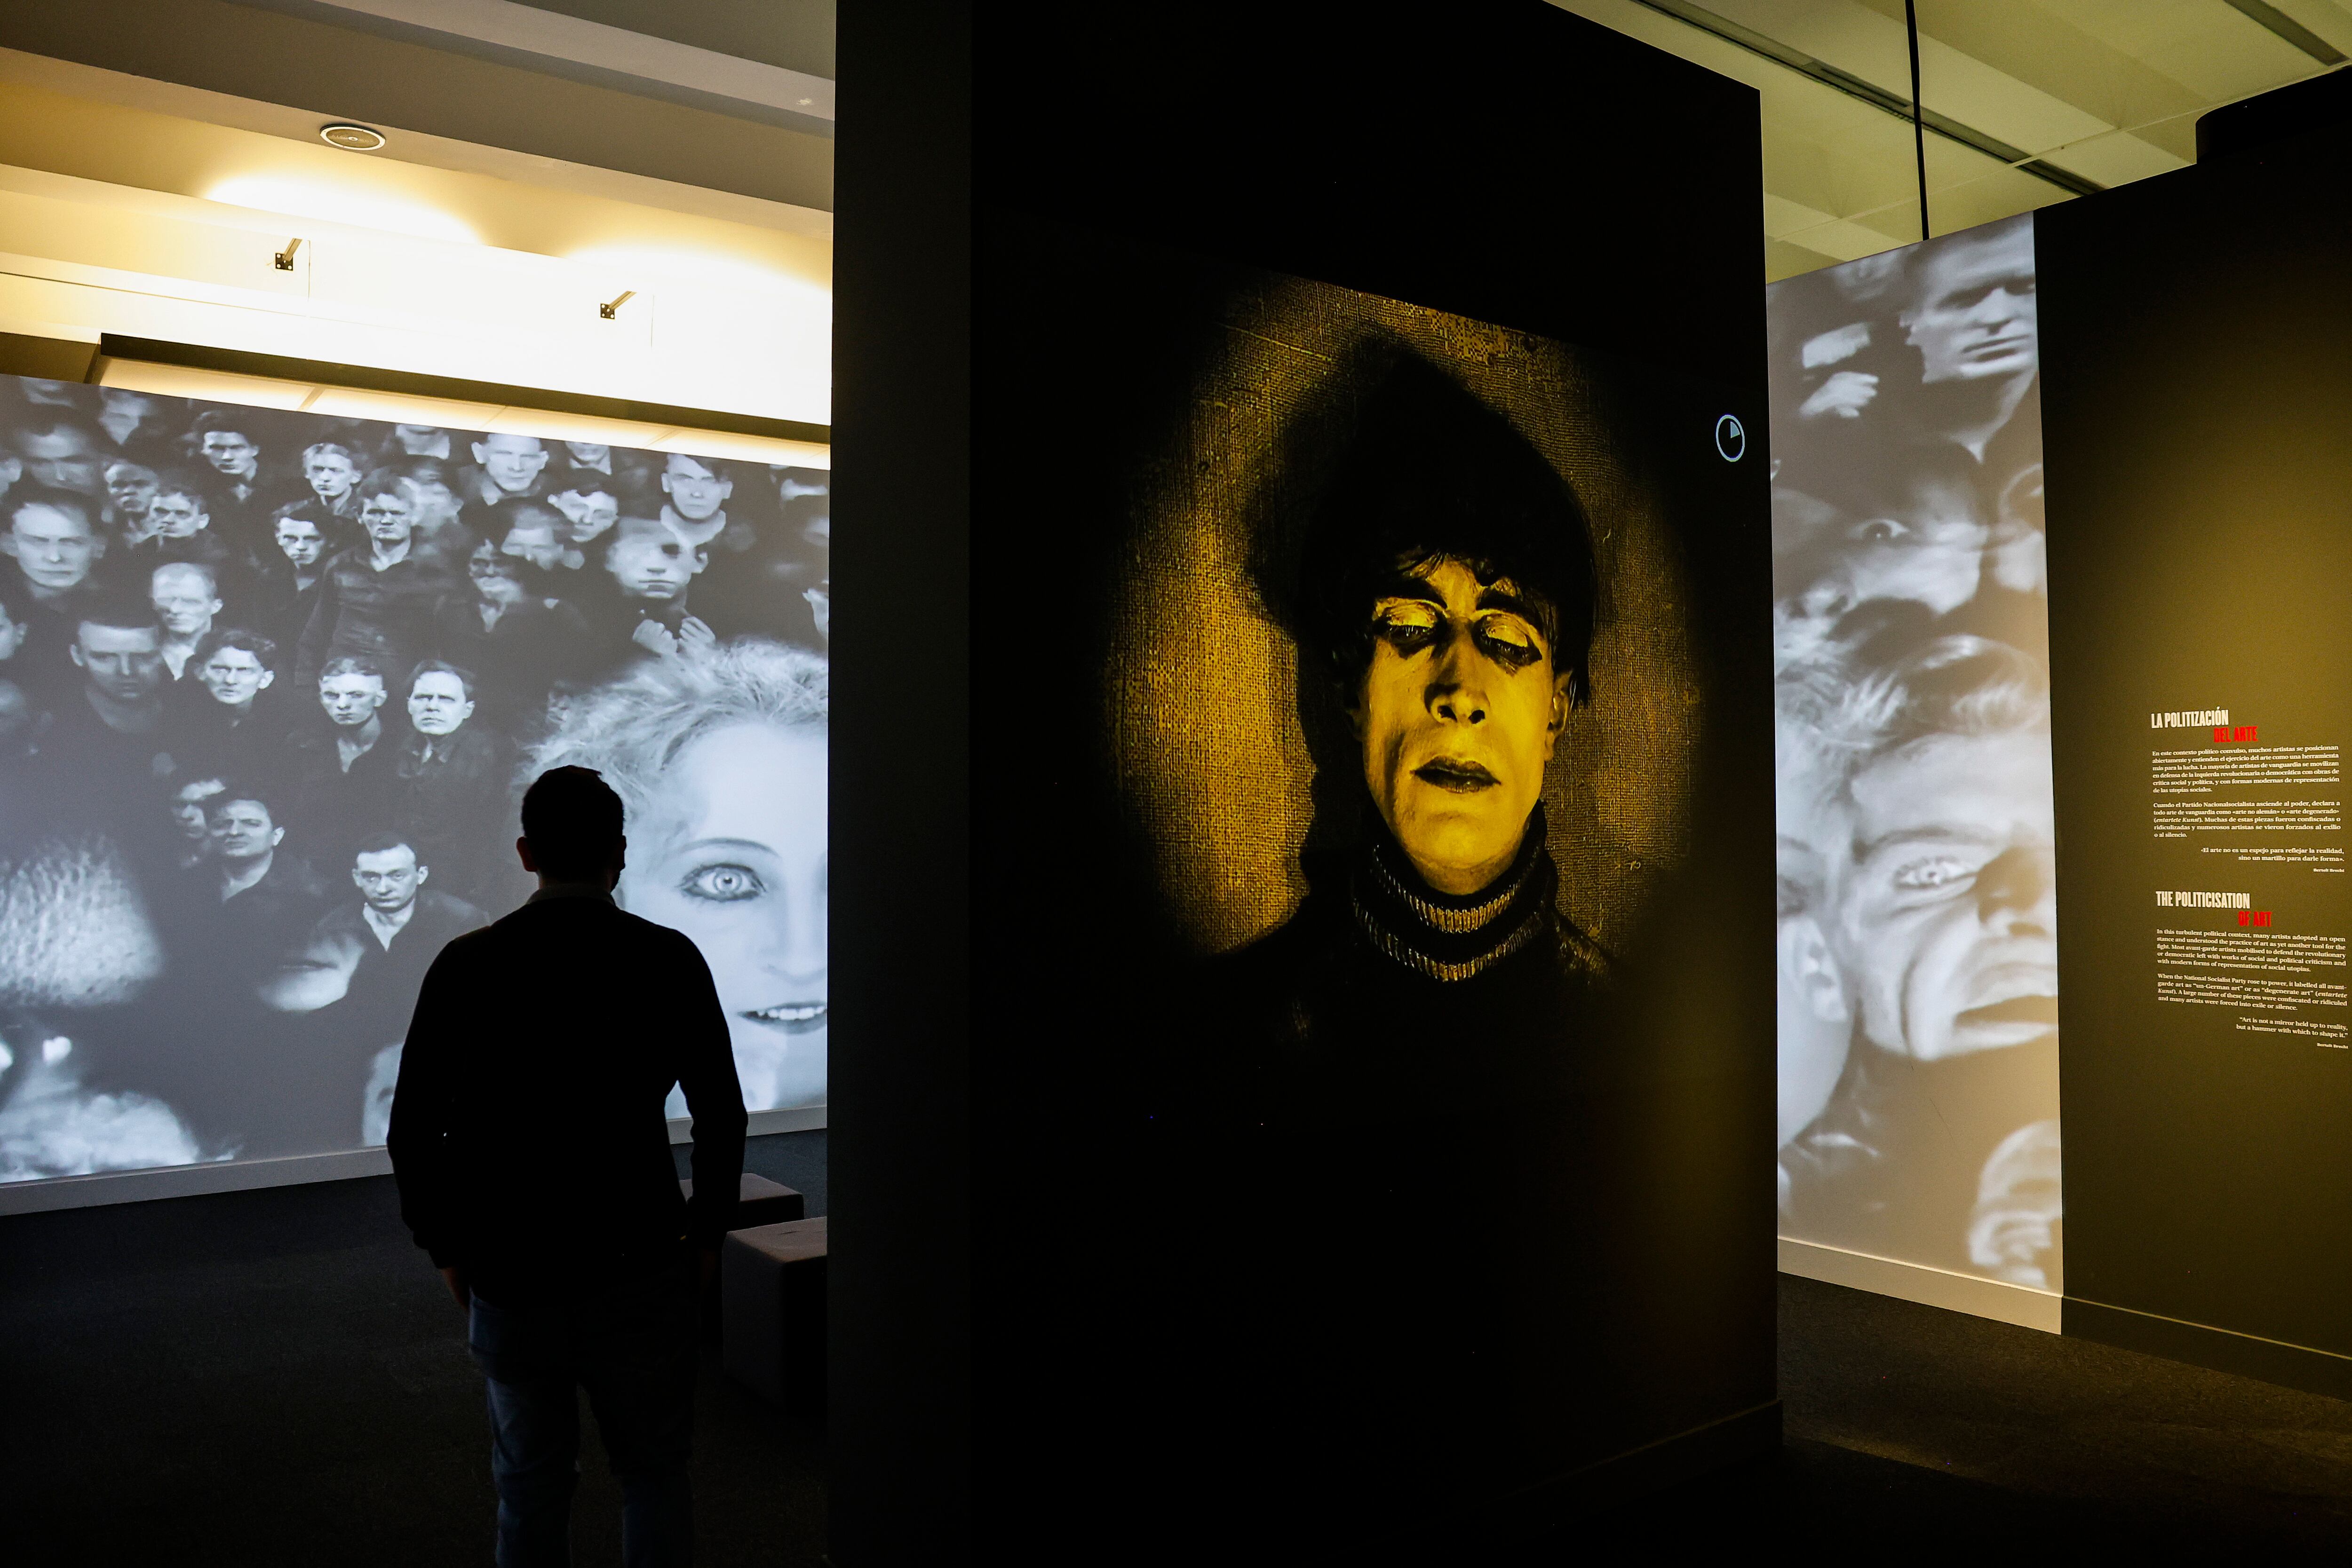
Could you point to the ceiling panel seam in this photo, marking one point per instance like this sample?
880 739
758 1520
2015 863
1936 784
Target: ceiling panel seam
1879 98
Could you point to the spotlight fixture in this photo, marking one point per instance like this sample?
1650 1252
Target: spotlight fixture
351 138
611 308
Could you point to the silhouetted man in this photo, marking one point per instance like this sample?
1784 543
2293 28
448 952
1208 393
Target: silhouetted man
546 1043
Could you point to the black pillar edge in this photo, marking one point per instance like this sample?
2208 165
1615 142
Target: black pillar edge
2216 1349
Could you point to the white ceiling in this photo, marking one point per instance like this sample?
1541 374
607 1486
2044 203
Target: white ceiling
2094 93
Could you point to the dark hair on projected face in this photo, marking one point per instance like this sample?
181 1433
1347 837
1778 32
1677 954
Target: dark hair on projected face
243 793
572 821
384 844
118 611
26 497
1430 475
264 650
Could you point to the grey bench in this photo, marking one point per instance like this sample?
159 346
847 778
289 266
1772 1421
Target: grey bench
772 1288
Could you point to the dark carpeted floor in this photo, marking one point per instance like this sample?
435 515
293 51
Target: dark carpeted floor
1916 1433
277 1377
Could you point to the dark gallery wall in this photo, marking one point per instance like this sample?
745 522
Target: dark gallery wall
1041 216
2197 339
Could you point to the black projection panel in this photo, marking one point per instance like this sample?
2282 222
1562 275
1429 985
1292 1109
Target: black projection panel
2197 340
1517 194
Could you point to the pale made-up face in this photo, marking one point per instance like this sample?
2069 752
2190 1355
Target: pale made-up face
242 831
188 805
55 549
301 542
389 518
234 676
590 512
512 461
351 700
178 516
649 566
1947 908
331 474
388 879
740 867
231 453
185 601
438 704
130 487
1458 712
124 663
694 489
1977 314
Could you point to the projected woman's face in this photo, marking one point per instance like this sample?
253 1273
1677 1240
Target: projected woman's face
743 871
1458 712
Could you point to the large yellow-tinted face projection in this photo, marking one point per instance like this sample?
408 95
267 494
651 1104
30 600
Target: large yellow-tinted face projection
1237 751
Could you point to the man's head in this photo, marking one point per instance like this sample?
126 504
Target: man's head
440 697
234 665
301 536
330 468
512 461
118 648
1448 588
1945 903
535 532
571 827
190 798
648 560
242 826
589 453
186 596
427 481
696 486
1974 314
53 538
350 690
63 455
387 509
386 874
589 509
130 487
224 437
421 440
496 575
179 509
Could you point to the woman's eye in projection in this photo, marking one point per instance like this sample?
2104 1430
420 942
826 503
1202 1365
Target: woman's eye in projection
723 883
1880 532
1934 874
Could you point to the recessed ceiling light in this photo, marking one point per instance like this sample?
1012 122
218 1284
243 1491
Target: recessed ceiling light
352 138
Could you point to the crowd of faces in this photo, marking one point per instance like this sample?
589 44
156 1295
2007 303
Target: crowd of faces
283 664
1918 925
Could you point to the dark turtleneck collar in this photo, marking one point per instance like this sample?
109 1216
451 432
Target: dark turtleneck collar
1446 936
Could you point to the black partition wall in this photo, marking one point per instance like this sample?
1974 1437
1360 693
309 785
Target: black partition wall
1366 1134
2197 339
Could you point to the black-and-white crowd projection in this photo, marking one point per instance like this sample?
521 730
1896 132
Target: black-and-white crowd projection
1918 942
270 684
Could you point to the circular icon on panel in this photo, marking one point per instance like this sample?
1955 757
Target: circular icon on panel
1730 438
351 138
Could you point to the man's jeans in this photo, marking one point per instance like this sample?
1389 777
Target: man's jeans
629 1341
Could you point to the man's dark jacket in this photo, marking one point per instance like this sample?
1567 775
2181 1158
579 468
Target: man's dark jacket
527 1130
